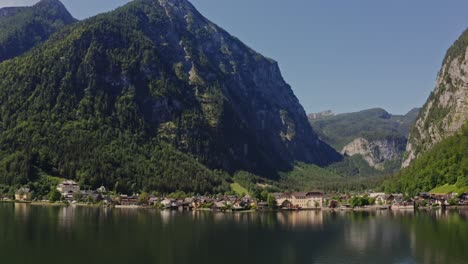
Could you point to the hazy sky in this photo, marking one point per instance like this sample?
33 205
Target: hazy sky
338 55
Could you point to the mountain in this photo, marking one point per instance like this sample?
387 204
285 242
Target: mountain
375 135
22 28
437 150
446 110
150 96
445 163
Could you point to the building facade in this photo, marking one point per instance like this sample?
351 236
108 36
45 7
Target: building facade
23 194
301 200
68 188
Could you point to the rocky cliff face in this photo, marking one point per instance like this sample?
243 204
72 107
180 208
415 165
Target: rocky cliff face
256 103
446 110
378 136
376 152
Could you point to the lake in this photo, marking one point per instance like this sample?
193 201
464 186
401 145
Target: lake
46 234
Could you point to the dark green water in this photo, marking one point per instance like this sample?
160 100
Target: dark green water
36 234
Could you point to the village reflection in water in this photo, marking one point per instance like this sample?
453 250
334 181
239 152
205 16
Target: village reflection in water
301 219
287 219
365 237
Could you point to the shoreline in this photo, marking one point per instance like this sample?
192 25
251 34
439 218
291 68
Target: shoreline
325 209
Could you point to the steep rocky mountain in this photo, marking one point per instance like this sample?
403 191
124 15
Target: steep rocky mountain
437 150
445 163
446 110
22 28
376 152
379 137
154 96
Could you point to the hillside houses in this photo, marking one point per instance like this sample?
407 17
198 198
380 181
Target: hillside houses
463 199
127 200
291 201
91 196
73 193
219 206
23 194
387 199
435 199
68 189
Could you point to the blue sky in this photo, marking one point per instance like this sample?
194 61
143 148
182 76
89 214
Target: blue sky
339 55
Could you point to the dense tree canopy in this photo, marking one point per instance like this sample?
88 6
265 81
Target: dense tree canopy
144 99
445 163
26 27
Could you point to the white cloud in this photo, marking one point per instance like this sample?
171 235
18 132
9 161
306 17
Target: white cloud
5 3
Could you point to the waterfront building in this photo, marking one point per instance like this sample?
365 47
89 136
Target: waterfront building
23 194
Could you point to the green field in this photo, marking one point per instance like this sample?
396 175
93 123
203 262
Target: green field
239 189
447 188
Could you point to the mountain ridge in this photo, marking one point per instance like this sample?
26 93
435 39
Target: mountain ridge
437 149
374 134
162 78
446 109
23 28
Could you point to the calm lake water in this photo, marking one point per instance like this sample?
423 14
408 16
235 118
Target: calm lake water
41 234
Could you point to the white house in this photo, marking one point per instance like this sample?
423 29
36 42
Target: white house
68 188
303 200
312 200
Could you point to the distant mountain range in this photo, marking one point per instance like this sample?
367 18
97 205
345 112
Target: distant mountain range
150 96
378 137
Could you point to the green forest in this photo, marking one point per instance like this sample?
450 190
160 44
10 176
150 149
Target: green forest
59 117
111 101
445 163
119 100
28 27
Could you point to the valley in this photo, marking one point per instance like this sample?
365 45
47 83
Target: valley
154 97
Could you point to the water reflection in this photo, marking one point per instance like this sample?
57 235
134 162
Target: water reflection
153 236
300 219
440 236
66 217
370 230
21 212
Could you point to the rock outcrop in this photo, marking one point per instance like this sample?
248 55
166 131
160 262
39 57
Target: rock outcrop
376 152
378 136
323 114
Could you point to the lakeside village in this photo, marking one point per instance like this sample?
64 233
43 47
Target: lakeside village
69 192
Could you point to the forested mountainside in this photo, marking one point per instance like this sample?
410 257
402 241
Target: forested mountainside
22 28
446 110
377 136
150 96
445 163
437 150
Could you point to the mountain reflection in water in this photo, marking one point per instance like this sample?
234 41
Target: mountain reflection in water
45 234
